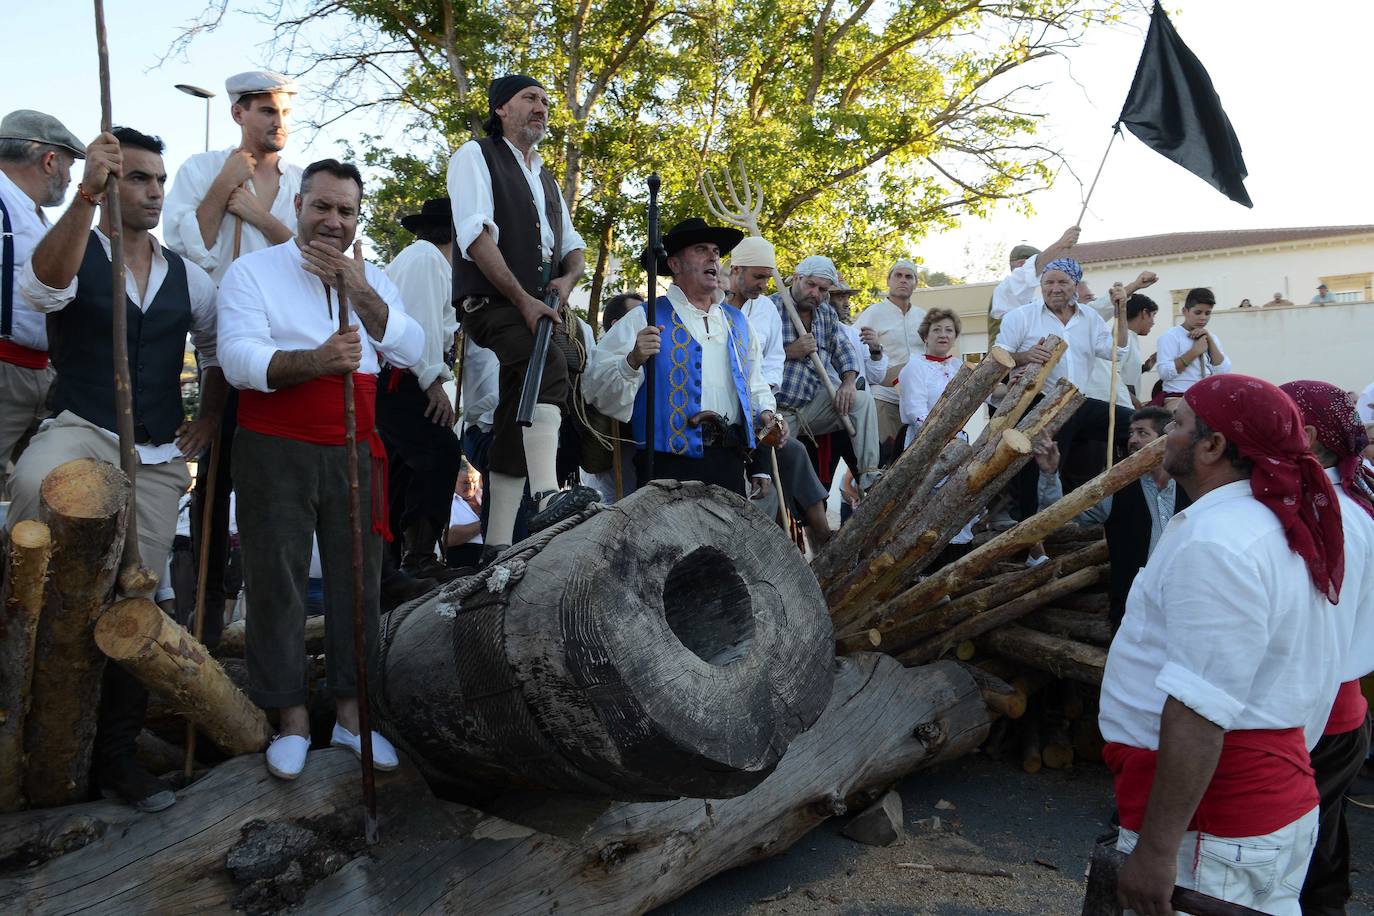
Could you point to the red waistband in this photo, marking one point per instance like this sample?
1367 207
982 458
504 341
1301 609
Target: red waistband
1349 710
1263 781
314 412
28 358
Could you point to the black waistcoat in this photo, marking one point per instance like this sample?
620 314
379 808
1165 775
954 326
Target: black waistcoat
82 350
1128 539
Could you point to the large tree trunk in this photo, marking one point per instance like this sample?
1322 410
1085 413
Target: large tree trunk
169 662
1059 656
672 644
84 503
603 260
550 854
30 550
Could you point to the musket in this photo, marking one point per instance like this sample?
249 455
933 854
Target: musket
534 372
355 524
651 310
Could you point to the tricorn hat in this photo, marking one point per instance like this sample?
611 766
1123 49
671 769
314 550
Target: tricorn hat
691 231
436 212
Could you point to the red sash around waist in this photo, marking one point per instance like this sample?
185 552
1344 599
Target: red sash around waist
1263 781
1348 712
27 357
314 412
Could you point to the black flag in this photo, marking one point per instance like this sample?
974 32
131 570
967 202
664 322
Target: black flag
1174 110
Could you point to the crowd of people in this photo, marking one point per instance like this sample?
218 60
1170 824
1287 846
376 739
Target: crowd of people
1241 570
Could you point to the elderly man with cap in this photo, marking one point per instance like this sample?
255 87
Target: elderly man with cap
36 156
752 263
712 401
865 341
68 278
414 413
803 397
222 204
897 324
1222 673
1337 438
516 244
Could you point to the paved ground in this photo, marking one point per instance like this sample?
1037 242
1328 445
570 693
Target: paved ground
1040 828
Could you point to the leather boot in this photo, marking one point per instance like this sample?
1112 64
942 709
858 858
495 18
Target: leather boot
419 560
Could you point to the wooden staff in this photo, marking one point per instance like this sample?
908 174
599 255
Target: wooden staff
783 518
356 526
133 576
615 461
207 517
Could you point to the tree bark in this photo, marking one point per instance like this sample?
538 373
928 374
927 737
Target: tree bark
603 260
542 854
169 662
30 549
1001 615
964 570
232 641
1060 657
85 504
1081 626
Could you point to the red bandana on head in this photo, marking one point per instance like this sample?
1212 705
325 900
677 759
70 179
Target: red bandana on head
1339 429
1267 428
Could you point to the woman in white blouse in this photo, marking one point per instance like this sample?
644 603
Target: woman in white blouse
924 378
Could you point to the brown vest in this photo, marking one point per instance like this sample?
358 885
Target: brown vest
518 221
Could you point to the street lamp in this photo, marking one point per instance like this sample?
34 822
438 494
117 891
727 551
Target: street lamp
205 94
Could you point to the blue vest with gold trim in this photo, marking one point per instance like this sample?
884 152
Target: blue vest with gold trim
677 374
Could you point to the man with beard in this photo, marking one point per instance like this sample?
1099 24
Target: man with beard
897 324
69 280
802 397
1224 660
1135 517
712 400
36 156
223 204
515 244
282 348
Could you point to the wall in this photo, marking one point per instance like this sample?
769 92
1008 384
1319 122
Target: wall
1331 343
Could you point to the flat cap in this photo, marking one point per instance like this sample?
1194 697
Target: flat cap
1022 252
27 124
252 82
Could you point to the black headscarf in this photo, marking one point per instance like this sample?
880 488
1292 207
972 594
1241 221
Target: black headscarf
501 91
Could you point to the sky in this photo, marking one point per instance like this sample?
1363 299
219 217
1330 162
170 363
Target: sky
1293 83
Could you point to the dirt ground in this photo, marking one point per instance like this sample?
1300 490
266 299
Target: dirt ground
1039 828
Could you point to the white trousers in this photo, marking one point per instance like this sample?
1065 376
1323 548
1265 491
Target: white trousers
1262 872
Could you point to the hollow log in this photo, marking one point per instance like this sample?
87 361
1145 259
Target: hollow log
30 549
1080 626
891 495
1002 614
84 503
542 855
1054 654
971 565
168 661
232 640
616 657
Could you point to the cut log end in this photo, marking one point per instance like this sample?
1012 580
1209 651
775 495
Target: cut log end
137 582
85 488
30 535
1002 357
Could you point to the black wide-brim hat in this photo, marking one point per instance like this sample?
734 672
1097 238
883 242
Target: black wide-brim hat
437 212
691 231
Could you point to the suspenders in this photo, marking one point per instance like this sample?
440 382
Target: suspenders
6 273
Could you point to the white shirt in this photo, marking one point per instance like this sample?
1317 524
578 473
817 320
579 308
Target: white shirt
1019 287
1087 335
920 385
1173 343
201 289
268 302
481 387
899 334
469 187
1356 608
611 385
766 324
1365 407
28 328
875 370
424 278
1225 619
462 514
181 229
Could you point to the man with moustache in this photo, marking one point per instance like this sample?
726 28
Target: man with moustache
281 346
223 204
516 242
36 156
68 278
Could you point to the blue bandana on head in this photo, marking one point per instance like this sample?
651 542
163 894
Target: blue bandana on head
1068 266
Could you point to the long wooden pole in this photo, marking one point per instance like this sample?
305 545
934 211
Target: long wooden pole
207 517
1116 131
131 563
359 636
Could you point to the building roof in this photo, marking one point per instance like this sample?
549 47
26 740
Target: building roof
1173 243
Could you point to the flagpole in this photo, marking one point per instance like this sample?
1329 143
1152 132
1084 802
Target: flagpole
1116 132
